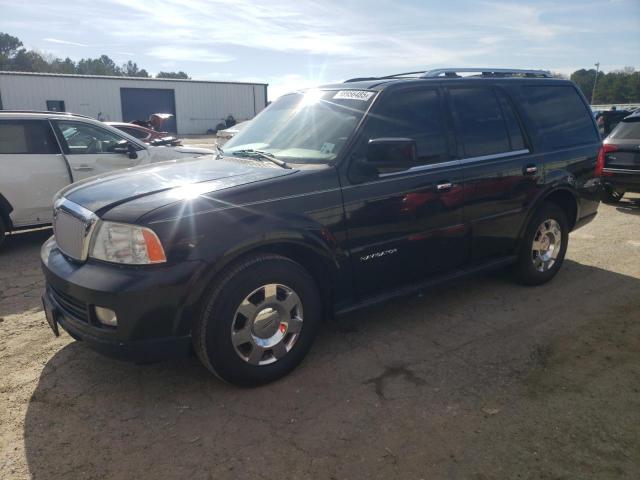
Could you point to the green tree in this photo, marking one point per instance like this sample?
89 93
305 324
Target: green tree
584 79
9 45
63 66
130 69
98 66
28 61
179 74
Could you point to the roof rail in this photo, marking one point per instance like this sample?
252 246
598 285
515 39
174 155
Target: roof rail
486 72
453 73
386 77
48 112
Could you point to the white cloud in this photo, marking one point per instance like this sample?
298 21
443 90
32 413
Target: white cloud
65 42
185 54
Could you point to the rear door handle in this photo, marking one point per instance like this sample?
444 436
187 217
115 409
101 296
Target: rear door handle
83 168
530 169
444 186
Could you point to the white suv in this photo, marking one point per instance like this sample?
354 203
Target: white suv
42 152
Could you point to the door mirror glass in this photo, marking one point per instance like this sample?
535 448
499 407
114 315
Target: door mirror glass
392 153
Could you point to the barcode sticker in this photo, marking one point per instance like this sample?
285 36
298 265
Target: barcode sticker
361 95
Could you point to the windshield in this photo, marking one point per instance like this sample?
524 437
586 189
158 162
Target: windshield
304 127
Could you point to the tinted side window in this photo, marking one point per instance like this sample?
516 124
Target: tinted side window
511 121
560 115
26 137
479 122
413 114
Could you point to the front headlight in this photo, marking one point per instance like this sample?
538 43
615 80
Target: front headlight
129 244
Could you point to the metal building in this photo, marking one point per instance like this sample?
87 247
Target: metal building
197 105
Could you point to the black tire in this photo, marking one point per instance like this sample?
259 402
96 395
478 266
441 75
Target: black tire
611 195
525 267
211 333
3 231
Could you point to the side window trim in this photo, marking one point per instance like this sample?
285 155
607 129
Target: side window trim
460 162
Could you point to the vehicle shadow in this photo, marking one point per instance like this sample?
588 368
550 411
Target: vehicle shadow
21 280
629 205
373 375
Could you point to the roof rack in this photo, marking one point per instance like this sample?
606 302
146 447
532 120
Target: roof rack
486 72
453 73
48 112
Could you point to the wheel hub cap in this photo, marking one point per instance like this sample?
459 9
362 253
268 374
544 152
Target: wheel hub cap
546 245
267 324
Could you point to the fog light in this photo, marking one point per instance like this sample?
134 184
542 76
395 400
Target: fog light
106 316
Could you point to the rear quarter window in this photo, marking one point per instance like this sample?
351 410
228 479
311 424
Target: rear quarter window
560 116
26 137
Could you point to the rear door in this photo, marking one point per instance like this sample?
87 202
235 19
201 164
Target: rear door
405 224
32 170
501 174
89 149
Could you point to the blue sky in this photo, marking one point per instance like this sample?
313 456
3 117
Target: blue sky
299 43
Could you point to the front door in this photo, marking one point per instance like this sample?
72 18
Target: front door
89 149
404 224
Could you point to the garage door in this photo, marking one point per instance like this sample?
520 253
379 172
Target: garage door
139 103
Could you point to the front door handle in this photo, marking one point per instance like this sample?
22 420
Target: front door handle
83 168
530 169
444 186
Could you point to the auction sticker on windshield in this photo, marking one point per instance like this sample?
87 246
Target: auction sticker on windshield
362 95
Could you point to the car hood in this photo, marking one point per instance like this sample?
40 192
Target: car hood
177 180
162 153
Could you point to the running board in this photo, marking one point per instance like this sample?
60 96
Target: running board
430 283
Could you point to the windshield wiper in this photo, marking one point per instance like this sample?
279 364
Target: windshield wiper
250 153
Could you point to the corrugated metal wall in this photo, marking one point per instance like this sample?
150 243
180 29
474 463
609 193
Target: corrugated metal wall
199 105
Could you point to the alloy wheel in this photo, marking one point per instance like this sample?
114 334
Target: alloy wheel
546 245
267 324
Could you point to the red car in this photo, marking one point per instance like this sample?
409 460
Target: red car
148 131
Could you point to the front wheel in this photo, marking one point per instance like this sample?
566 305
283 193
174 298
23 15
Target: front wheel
543 246
259 321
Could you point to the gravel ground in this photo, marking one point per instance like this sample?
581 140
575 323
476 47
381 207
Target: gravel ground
484 380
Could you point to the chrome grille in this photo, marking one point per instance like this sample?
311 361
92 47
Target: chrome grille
72 226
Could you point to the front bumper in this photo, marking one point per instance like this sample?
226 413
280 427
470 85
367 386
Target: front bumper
151 304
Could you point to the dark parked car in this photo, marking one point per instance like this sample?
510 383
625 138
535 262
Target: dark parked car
330 200
608 119
620 159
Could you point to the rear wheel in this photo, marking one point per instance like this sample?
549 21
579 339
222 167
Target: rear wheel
611 195
259 321
544 245
3 231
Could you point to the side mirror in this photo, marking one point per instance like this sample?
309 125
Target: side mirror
125 148
392 153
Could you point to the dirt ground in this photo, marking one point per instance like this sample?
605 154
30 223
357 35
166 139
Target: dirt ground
482 380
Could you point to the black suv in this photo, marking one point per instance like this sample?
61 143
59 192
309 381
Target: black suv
330 200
